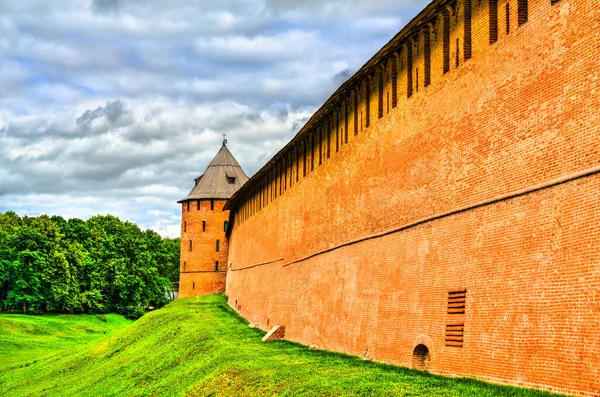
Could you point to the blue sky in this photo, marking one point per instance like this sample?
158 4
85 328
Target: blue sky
115 106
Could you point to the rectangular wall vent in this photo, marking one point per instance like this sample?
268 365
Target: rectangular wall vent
455 334
457 301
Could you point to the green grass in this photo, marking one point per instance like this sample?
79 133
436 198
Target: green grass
195 347
25 339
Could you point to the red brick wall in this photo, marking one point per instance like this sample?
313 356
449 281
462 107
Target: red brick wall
201 283
197 272
520 112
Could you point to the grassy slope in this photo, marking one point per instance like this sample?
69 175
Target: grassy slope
24 339
200 347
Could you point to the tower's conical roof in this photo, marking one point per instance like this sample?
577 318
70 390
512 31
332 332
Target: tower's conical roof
222 178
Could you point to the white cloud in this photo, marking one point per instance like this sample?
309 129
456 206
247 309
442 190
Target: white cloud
114 106
263 48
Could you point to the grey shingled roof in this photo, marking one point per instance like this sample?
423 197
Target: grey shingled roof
213 184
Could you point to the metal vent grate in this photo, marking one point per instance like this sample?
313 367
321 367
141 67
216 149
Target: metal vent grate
455 334
457 301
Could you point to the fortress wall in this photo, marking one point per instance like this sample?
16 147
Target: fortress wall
489 127
520 112
530 268
198 265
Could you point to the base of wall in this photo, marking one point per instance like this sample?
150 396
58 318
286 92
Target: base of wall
201 283
523 272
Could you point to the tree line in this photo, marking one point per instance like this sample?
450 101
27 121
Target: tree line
94 266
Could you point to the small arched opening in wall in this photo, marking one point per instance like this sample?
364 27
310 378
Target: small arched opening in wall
420 357
422 352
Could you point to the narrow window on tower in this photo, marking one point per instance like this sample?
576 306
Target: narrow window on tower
193 285
493 21
427 57
184 227
446 41
380 94
218 245
216 266
188 206
184 266
355 113
225 226
409 66
368 105
190 245
394 83
467 46
507 18
212 204
203 226
523 11
198 205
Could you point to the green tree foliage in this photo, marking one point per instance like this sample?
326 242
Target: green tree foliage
94 266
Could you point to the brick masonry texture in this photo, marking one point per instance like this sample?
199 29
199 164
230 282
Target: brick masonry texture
198 273
519 112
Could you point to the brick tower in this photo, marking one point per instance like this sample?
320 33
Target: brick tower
204 247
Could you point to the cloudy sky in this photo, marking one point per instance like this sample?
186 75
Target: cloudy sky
115 106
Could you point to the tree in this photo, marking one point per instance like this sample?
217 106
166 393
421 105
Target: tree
102 264
30 263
